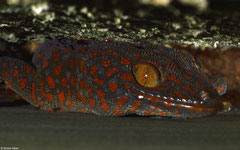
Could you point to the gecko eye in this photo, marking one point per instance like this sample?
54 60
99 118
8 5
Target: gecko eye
146 75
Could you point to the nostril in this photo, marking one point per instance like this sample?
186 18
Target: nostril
207 99
204 95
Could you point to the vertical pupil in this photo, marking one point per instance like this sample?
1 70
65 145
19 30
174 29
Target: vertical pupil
146 76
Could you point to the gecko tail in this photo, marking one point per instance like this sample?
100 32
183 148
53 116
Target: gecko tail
19 76
218 83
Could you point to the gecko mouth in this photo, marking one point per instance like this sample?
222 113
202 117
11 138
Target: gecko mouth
183 108
159 105
185 111
169 107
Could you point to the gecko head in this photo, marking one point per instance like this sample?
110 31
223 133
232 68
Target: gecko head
172 83
151 80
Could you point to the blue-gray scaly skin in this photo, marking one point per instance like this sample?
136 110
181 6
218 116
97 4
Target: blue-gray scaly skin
99 77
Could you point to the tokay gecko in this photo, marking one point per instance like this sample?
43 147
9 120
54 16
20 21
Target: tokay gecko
111 78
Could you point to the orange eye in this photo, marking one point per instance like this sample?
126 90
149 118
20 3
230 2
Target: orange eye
146 75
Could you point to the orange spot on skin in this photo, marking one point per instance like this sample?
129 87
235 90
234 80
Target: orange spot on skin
64 81
70 63
94 54
111 71
105 63
33 92
49 109
125 61
93 70
84 100
45 63
79 96
138 102
56 57
90 90
134 108
69 92
98 81
15 73
117 112
58 69
49 97
178 93
147 113
122 100
72 80
9 84
91 102
149 61
102 100
167 104
113 86
85 70
162 113
22 83
27 69
126 77
100 93
82 50
61 107
154 100
41 103
70 103
159 67
61 97
105 107
81 64
82 83
50 81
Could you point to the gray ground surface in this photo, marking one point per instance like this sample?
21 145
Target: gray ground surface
25 128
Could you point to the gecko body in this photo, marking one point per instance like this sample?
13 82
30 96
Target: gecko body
114 79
